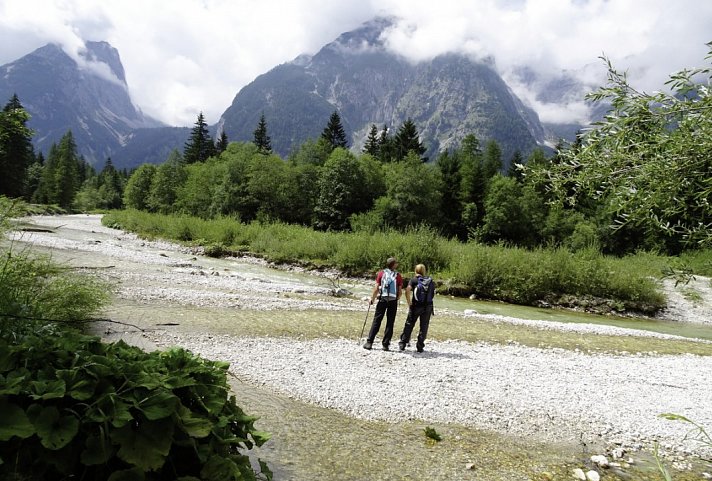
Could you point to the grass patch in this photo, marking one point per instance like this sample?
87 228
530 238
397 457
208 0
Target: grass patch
516 275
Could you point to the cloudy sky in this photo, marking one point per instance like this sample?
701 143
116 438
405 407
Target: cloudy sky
186 56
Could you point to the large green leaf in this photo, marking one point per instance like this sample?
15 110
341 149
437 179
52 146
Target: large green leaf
121 414
79 385
10 385
219 469
195 426
48 389
145 444
158 405
14 422
133 474
98 450
6 358
55 431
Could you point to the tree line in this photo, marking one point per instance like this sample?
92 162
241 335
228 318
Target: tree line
64 178
638 179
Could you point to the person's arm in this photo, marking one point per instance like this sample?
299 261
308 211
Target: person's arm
408 294
377 288
399 289
375 293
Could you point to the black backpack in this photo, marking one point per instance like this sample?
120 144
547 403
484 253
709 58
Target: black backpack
424 291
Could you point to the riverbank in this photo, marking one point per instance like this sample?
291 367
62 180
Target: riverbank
609 398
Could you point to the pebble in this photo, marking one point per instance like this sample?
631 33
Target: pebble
593 476
600 460
579 474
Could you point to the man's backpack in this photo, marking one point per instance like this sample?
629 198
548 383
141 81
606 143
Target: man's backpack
424 291
389 284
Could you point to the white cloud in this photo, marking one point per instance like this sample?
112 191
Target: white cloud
186 56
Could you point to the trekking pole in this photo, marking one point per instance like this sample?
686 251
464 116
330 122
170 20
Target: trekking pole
364 322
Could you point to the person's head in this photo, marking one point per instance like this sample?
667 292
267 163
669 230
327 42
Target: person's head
391 263
420 269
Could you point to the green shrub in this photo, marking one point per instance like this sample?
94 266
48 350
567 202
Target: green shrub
34 288
74 406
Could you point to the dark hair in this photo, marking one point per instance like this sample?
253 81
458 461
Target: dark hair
391 262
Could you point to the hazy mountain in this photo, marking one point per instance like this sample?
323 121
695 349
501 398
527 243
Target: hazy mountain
88 95
150 146
447 97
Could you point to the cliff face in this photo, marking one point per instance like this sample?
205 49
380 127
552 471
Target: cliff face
89 97
448 97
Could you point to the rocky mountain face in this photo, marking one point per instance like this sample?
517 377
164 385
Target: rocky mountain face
88 96
448 97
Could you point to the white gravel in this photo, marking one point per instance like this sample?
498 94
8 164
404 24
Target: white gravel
555 394
551 394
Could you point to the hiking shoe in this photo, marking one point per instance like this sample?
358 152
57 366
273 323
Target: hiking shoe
419 349
368 345
401 346
385 347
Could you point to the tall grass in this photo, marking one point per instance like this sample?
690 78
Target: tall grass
33 289
493 272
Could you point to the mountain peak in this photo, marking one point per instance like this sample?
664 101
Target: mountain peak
85 93
369 34
448 97
103 52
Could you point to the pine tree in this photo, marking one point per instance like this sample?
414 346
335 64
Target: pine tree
514 171
334 132
111 186
473 182
261 138
67 175
16 152
385 145
492 163
199 146
61 176
407 140
449 167
222 143
373 144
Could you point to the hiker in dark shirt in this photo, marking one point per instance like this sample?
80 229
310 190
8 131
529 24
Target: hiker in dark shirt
388 291
419 296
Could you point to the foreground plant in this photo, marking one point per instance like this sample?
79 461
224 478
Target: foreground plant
74 406
696 433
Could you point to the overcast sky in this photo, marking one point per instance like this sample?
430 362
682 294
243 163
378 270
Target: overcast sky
186 56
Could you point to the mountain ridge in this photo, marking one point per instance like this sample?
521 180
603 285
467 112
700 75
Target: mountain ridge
447 97
88 96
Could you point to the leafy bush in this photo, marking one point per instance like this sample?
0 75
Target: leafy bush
72 405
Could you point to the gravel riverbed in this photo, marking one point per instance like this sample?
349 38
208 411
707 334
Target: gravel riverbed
553 394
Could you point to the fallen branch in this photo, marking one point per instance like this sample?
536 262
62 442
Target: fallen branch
67 321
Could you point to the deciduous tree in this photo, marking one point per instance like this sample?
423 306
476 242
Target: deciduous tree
647 163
